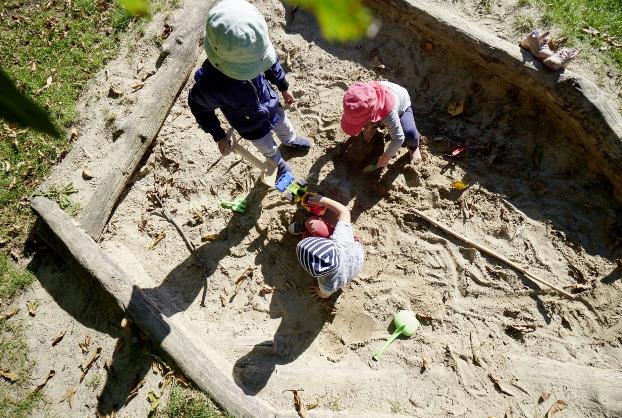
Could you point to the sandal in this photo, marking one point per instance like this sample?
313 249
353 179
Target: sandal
537 44
561 59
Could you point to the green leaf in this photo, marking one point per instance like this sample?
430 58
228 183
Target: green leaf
136 7
16 107
154 402
339 20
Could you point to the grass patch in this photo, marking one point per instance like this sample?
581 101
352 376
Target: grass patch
17 399
94 381
41 40
485 6
12 279
524 23
190 403
574 15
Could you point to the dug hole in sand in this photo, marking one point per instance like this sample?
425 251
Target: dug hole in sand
489 343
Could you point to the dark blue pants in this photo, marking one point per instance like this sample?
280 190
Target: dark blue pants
407 120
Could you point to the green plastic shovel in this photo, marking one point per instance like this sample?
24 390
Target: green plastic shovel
238 205
406 323
370 168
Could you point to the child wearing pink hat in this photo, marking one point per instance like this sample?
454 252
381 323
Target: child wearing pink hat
367 105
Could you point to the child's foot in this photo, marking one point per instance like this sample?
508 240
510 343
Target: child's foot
297 228
300 143
415 156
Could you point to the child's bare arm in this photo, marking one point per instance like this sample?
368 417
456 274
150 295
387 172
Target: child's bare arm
338 208
317 292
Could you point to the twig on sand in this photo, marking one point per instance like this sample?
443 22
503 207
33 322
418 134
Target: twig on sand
214 163
189 244
492 253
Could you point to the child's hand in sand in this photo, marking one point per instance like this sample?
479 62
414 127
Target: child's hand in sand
288 97
383 161
317 293
314 198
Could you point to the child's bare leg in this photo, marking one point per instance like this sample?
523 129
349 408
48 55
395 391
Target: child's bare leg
412 136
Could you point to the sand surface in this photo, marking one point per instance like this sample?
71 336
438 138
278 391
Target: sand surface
531 198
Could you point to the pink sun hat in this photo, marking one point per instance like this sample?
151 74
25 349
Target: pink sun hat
365 102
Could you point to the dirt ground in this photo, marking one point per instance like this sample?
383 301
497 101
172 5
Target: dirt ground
531 198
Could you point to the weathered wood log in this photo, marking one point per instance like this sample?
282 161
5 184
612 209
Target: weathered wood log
590 119
593 391
173 338
137 133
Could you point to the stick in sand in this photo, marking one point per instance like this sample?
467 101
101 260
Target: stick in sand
488 251
189 243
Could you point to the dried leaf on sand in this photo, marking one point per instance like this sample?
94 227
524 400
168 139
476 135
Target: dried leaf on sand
59 337
544 396
501 385
32 306
299 405
86 366
559 405
209 237
69 396
157 239
312 405
10 376
425 363
47 379
266 290
134 391
7 314
455 108
84 345
475 350
519 330
459 185
248 273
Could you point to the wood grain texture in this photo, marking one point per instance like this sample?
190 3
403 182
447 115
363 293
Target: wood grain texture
175 340
138 131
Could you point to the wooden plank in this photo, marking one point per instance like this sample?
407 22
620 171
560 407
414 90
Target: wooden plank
69 240
591 389
137 133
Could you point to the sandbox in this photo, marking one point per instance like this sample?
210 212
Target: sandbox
542 157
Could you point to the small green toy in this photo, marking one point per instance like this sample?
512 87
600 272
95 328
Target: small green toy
405 323
370 168
238 205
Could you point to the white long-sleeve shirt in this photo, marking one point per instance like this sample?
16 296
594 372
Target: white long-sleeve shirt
392 120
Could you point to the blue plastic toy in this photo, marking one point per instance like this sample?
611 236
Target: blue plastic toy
296 191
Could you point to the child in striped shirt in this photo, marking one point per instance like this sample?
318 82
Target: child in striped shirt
332 256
